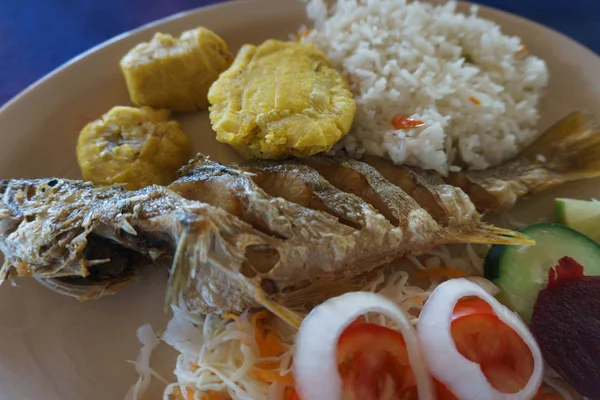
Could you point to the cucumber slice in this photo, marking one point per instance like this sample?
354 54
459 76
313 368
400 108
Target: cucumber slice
581 215
522 271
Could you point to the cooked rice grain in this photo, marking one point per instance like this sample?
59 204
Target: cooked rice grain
476 89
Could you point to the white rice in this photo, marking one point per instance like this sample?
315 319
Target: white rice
476 89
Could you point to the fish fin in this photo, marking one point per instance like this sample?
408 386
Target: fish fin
568 151
195 241
82 292
571 147
180 272
489 234
5 271
288 316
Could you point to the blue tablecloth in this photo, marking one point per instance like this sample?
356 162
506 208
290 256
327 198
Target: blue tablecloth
36 36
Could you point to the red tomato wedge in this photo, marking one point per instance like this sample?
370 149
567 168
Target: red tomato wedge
481 337
338 356
477 348
373 364
469 306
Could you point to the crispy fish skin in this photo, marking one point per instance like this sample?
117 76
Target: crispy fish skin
47 225
390 216
291 233
222 260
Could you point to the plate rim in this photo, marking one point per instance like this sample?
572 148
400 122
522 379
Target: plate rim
110 41
236 3
25 96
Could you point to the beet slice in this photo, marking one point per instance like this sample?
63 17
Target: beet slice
566 325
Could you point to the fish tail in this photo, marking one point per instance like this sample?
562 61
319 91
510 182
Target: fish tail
489 234
568 151
571 147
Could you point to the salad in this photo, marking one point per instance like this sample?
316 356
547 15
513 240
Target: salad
509 334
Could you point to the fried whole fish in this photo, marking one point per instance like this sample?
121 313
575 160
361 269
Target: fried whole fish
292 232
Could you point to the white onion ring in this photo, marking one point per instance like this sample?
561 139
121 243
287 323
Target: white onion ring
462 376
487 285
315 356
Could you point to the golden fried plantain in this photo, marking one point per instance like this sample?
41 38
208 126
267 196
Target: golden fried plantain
175 73
134 146
281 99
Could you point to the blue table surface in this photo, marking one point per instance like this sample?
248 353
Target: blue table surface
37 36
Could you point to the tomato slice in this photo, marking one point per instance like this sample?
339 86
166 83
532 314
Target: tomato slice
481 337
373 364
471 306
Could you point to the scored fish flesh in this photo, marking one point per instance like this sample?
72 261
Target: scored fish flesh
291 232
224 234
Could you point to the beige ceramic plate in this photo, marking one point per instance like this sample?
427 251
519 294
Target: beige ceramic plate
55 348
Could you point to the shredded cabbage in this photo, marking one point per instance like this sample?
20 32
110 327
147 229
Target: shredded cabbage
220 358
223 355
220 354
149 341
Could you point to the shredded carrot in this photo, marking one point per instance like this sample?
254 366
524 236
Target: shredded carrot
402 122
272 376
269 345
475 100
213 396
418 300
441 273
